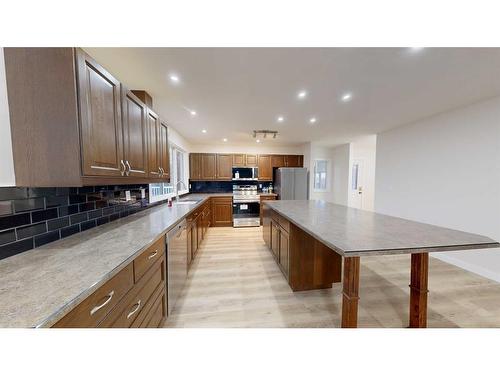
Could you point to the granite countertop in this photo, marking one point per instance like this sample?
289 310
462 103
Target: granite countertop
353 232
39 286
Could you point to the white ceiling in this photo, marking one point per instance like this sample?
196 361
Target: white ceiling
237 90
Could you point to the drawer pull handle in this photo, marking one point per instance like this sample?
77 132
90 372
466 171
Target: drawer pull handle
108 299
137 306
153 254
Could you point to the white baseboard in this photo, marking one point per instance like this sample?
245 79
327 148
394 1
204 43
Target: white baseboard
468 266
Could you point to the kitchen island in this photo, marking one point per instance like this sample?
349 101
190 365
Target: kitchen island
351 233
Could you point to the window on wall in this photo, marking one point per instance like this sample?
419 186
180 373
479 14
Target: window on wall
178 172
320 175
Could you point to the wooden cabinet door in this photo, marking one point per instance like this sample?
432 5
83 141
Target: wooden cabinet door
265 168
208 166
164 152
224 167
293 161
251 160
189 243
239 160
284 255
222 212
153 125
266 225
135 140
278 161
275 239
100 119
195 166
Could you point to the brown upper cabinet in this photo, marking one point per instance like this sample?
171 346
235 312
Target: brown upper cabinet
239 160
100 116
135 135
224 167
244 160
251 160
84 127
265 168
293 161
209 166
164 151
153 126
195 166
278 161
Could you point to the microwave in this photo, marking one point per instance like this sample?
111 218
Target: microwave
245 173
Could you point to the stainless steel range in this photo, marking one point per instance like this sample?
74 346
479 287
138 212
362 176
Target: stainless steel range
246 206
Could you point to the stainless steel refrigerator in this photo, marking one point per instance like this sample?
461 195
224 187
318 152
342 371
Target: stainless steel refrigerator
291 183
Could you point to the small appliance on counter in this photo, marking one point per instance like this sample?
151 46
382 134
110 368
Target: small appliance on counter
246 206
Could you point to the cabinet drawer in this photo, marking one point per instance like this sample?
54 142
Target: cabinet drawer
158 305
158 314
144 261
92 310
130 308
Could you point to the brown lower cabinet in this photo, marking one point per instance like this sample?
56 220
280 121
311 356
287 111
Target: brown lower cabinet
305 262
135 297
263 198
222 211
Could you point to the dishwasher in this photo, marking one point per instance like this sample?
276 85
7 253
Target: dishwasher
177 266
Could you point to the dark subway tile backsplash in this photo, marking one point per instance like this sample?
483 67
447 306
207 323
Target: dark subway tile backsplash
32 217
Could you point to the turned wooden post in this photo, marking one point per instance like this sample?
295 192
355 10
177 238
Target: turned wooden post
418 290
350 293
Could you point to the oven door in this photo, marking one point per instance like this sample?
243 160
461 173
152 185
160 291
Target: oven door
246 214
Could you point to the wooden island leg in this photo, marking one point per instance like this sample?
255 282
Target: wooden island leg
418 290
350 293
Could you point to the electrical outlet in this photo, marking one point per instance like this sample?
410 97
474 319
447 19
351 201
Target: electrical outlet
127 195
143 193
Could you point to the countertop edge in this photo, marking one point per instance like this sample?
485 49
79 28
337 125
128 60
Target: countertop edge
350 254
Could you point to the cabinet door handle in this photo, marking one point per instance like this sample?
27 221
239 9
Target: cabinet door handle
137 307
153 254
162 171
127 172
98 307
124 168
159 171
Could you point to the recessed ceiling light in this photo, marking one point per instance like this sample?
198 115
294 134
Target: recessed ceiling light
174 78
313 120
346 97
258 141
302 94
193 113
204 131
280 119
224 140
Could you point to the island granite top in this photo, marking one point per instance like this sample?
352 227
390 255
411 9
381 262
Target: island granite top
40 286
354 232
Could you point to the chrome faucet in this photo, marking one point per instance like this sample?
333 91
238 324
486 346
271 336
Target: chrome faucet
177 189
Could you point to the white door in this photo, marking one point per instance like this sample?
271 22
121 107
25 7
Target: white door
357 183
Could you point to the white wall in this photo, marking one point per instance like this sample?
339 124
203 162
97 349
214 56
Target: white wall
7 176
445 170
340 174
364 148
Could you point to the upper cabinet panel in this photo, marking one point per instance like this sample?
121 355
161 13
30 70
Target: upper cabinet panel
153 125
224 167
164 152
251 160
134 135
100 114
265 168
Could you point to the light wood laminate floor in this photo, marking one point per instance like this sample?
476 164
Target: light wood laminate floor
235 282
